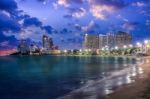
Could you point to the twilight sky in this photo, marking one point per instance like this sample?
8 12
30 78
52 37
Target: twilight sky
66 21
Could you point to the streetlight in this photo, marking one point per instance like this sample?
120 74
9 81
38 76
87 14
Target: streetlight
89 49
131 46
146 41
86 50
125 46
65 51
138 44
103 49
80 50
116 47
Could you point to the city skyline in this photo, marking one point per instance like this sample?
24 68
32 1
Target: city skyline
67 21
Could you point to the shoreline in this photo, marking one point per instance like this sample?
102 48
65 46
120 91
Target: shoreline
139 89
103 88
130 90
126 56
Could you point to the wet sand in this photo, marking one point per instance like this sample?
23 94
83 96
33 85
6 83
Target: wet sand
140 89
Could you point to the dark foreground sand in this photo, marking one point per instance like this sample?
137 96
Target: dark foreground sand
140 89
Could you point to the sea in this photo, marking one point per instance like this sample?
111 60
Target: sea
65 77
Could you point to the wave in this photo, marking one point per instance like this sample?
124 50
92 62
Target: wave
92 89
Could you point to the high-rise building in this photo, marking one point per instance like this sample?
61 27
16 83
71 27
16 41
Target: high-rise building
91 42
45 40
122 39
103 41
23 47
108 41
51 44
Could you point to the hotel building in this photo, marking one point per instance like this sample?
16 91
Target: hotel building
91 42
122 39
110 40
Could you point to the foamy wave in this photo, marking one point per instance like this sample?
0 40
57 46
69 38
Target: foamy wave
92 89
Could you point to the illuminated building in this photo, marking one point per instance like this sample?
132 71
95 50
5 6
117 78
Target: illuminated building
23 47
103 41
91 42
33 48
47 43
122 38
109 41
45 40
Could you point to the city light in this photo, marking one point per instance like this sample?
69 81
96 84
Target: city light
86 50
131 46
71 50
146 41
103 49
124 46
138 44
89 49
116 47
65 51
80 50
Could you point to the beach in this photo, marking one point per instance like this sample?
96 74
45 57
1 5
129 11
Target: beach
140 89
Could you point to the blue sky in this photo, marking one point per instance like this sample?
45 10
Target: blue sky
66 21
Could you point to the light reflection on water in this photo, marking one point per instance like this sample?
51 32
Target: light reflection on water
106 86
49 77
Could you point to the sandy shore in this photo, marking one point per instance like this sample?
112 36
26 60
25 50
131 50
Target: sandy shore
140 89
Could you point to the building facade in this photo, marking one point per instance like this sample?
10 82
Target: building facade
47 42
122 39
110 40
91 42
103 41
23 47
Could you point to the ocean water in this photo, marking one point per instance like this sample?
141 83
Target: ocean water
64 77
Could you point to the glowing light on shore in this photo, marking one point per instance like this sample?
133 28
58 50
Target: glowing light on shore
116 47
86 50
138 44
146 41
65 51
80 50
89 49
102 49
131 46
124 46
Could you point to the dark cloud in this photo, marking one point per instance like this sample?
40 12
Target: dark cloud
32 21
13 22
48 29
64 31
7 23
74 40
8 5
11 42
68 16
78 27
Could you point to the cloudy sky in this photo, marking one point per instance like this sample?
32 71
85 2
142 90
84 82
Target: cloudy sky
66 21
